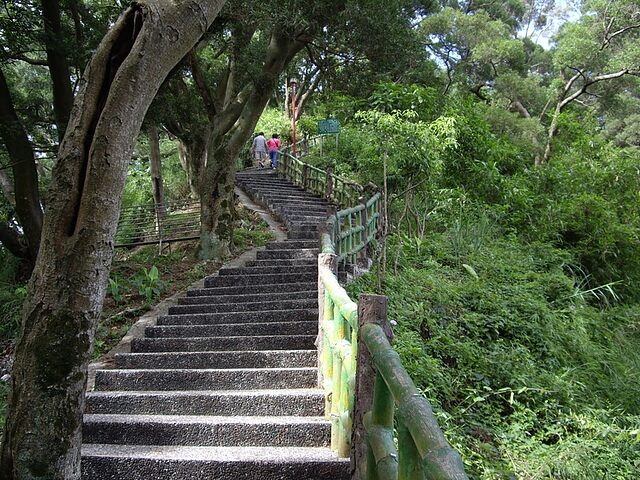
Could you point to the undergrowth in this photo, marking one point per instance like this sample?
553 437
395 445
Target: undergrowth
530 376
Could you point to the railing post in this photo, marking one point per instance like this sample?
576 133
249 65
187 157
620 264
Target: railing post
371 309
329 192
363 255
305 176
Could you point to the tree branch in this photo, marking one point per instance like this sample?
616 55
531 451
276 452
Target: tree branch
592 81
608 38
202 85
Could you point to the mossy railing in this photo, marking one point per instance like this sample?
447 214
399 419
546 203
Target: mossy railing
368 391
353 229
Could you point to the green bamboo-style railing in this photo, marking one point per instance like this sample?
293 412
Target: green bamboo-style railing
368 391
350 230
337 345
422 451
353 229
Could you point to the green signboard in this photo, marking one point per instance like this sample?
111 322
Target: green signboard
330 125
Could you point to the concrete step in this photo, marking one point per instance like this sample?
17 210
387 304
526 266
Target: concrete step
265 288
294 253
276 295
291 244
287 196
271 184
311 218
301 235
280 304
236 329
206 379
115 462
270 279
210 344
237 317
276 205
323 207
291 402
280 200
278 262
261 270
217 360
206 430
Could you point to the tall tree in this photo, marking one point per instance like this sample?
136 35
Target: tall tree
257 55
43 429
234 76
591 54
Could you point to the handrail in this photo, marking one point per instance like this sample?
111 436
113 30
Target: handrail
351 229
324 183
337 354
355 357
423 452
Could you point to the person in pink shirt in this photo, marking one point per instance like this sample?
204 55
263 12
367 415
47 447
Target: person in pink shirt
273 144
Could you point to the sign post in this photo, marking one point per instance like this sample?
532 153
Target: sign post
329 126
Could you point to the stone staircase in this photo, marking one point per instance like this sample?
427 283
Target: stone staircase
224 386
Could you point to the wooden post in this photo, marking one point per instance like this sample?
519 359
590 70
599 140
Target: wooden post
329 192
305 176
363 256
371 309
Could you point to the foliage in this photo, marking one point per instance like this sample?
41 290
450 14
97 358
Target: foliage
138 187
521 369
148 282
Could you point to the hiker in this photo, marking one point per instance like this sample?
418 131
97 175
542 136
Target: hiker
274 144
259 149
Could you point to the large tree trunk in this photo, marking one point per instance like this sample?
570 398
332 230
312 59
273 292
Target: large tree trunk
42 435
218 201
193 156
233 129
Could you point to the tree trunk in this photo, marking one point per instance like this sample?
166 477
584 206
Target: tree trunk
156 174
42 435
217 211
232 132
193 155
25 174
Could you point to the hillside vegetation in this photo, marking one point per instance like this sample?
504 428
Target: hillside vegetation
513 289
